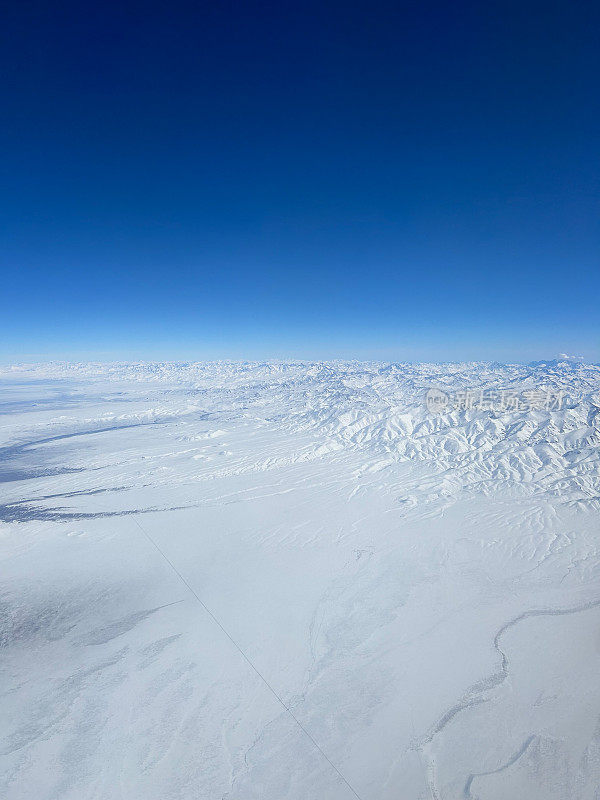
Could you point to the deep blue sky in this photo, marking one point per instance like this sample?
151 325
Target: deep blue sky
400 181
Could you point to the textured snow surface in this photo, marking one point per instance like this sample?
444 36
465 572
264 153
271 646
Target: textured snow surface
292 581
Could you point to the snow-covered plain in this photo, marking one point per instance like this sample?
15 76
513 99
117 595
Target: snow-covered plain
293 581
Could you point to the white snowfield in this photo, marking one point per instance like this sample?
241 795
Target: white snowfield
294 581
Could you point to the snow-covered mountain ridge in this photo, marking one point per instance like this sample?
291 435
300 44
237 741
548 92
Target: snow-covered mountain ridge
525 428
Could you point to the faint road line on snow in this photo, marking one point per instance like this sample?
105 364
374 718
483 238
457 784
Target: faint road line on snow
248 660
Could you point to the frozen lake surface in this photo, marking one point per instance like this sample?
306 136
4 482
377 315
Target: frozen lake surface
274 581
